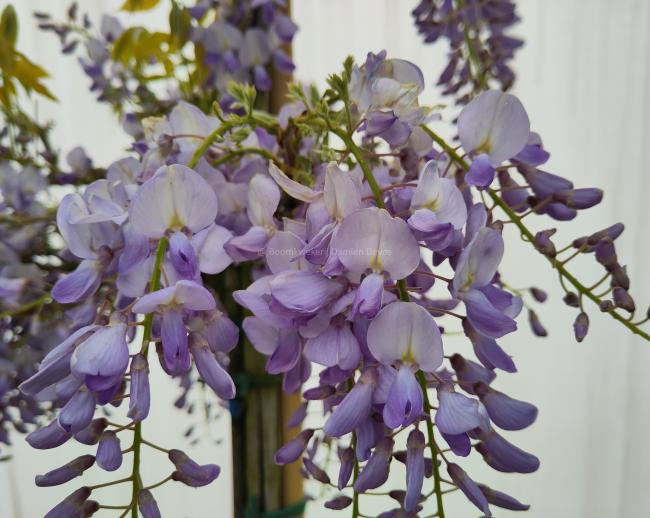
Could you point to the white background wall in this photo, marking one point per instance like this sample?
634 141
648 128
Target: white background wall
584 77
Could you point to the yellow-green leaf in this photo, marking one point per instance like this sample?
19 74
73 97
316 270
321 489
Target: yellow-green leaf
9 25
139 5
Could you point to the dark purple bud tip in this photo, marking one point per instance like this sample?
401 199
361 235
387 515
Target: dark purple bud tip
536 324
544 244
610 233
339 502
538 294
606 306
65 473
606 253
623 300
93 432
502 500
579 198
620 278
109 451
571 299
581 326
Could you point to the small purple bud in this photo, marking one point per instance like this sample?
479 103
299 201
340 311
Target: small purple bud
346 458
581 326
47 437
109 452
71 506
298 416
536 324
469 488
338 502
140 395
606 253
189 472
571 299
623 300
610 233
147 505
579 198
620 278
65 473
293 449
544 244
92 433
538 294
78 412
316 472
414 469
505 412
319 393
606 306
502 500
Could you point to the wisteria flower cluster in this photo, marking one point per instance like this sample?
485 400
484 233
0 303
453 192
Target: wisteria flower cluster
361 240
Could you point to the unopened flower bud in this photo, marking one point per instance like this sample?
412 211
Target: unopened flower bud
536 324
623 300
544 244
65 473
581 326
538 294
571 299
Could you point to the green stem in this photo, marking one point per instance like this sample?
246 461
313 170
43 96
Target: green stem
365 167
530 237
355 475
154 284
40 301
207 142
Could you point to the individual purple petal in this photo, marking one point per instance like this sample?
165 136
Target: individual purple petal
505 456
317 473
78 412
502 500
248 246
210 369
459 444
49 373
457 413
91 434
579 198
105 353
140 396
346 460
481 172
405 400
263 200
284 252
337 345
338 503
469 373
479 261
294 448
354 408
221 333
368 433
489 353
264 337
485 317
47 437
71 506
505 412
147 505
78 285
175 197
65 473
183 256
494 123
406 331
469 488
287 353
375 472
109 452
174 341
372 239
369 296
414 469
304 292
189 472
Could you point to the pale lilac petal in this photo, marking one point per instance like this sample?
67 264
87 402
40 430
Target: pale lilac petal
505 412
457 413
341 193
481 173
80 284
263 200
77 236
175 197
459 444
337 345
211 371
304 292
406 331
151 301
105 353
469 488
479 261
286 355
495 123
291 187
193 296
369 296
209 245
248 246
263 336
485 317
283 252
439 195
353 410
78 412
174 341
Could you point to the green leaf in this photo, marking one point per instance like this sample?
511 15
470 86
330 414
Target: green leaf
9 25
139 5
